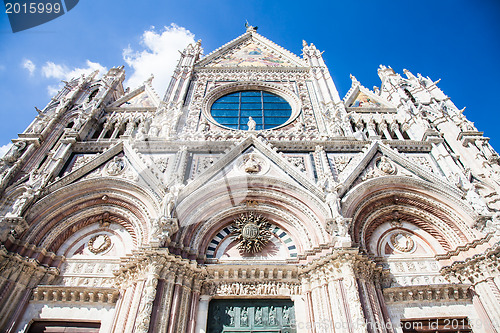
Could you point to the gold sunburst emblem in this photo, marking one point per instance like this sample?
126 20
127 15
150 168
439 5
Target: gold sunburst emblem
252 232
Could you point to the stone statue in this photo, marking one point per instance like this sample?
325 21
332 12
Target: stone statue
333 200
251 124
141 132
475 200
385 165
251 165
21 202
205 126
14 153
168 204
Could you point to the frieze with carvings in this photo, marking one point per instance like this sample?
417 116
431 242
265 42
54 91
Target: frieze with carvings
270 288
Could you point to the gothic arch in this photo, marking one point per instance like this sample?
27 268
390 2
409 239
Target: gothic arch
57 216
395 199
213 206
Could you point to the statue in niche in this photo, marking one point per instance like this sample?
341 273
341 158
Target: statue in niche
286 315
272 316
251 124
258 316
116 166
332 199
153 131
21 202
170 199
141 132
244 316
168 204
385 165
230 313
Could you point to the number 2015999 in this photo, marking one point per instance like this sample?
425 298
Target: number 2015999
32 8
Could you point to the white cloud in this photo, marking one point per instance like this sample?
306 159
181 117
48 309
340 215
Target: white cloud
29 65
5 148
61 72
159 56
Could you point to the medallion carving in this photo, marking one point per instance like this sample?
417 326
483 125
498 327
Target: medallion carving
402 242
99 243
252 232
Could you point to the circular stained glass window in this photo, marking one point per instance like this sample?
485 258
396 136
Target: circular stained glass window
266 109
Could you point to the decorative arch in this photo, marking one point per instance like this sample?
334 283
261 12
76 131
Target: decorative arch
397 200
56 217
223 239
213 206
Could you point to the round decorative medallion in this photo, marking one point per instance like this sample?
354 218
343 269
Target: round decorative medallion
116 166
386 166
252 164
99 243
252 231
402 242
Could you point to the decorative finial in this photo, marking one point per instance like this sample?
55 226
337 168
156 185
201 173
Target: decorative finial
304 43
249 27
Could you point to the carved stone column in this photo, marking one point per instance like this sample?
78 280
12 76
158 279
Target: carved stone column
146 306
165 303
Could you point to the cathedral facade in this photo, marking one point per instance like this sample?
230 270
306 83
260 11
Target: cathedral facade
251 198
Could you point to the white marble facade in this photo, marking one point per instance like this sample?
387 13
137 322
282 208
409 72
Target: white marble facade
377 210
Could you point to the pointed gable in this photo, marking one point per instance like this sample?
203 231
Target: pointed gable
250 54
364 101
141 100
379 161
143 97
251 50
359 98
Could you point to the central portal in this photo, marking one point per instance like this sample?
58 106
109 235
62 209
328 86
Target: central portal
251 315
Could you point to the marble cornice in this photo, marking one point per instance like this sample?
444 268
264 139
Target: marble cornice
73 294
427 293
475 269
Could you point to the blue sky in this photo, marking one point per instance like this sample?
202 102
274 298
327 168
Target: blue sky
455 40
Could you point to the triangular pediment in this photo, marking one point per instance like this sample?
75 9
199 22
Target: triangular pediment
250 158
144 97
359 98
251 50
119 162
382 161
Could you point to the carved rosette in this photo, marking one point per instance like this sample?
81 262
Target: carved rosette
252 232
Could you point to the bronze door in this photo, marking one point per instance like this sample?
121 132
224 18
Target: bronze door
251 316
